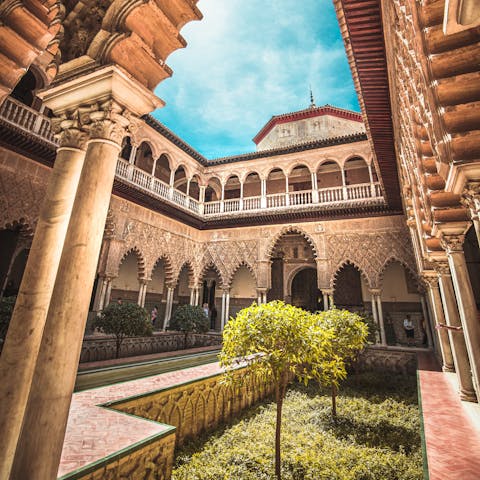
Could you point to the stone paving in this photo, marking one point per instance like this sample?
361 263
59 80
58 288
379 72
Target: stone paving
94 432
452 438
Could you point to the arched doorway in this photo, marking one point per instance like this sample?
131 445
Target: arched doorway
155 295
126 286
181 294
356 171
243 290
305 292
291 254
212 296
348 288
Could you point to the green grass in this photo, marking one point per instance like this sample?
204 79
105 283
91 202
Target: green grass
376 437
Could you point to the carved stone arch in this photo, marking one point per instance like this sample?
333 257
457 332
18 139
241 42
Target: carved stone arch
191 273
246 173
211 265
296 163
293 274
140 261
271 168
288 229
154 147
169 275
328 159
354 155
186 168
341 265
239 265
408 268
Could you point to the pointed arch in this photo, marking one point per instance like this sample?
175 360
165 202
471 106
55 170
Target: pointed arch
212 266
405 265
140 260
239 265
191 272
341 266
289 229
169 276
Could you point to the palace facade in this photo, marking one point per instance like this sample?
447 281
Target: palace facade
375 212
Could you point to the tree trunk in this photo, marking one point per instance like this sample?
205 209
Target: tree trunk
279 394
334 401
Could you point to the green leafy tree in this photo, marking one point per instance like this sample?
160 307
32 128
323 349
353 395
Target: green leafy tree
124 320
349 334
276 342
6 310
189 319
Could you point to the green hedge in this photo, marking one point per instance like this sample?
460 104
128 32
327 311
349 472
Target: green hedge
376 437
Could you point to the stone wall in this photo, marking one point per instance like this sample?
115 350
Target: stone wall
388 359
97 348
196 407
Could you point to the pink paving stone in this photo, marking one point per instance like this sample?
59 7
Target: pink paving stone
93 432
452 441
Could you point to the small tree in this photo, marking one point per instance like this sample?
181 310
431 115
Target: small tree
189 319
6 310
276 342
349 334
124 320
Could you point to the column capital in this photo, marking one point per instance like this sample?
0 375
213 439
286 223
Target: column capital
327 291
441 266
452 243
470 194
375 291
109 121
431 280
69 131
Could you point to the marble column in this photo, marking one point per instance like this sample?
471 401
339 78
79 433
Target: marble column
426 321
22 343
40 446
168 307
381 324
327 298
436 302
225 308
467 307
263 193
140 292
375 315
455 333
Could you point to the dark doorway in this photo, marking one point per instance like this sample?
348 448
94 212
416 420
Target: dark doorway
472 257
348 287
305 293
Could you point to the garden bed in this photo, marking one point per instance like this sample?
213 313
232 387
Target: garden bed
376 436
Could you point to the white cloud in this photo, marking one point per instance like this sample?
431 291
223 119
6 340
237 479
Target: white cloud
248 60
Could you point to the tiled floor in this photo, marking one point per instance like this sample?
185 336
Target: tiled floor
95 432
452 438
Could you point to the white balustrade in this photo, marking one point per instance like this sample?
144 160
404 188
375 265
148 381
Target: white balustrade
275 200
300 198
251 203
33 122
26 118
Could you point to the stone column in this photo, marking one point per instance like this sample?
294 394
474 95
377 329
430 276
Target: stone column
222 198
263 193
241 196
455 333
58 357
467 307
287 196
140 292
197 296
22 343
426 321
168 307
192 296
222 317
201 198
471 199
225 308
436 302
375 315
131 161
102 291
344 185
378 299
171 183
40 445
314 188
327 295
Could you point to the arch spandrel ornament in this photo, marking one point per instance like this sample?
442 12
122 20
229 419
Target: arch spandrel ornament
270 244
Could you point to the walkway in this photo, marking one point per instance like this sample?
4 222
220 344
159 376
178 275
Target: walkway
452 437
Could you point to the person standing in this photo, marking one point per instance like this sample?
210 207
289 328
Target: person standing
154 315
409 330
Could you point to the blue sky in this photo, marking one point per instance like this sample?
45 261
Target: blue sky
248 60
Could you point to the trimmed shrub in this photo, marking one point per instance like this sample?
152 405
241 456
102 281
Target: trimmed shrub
124 320
189 319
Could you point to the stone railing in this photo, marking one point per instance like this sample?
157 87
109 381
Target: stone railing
34 123
97 348
26 119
